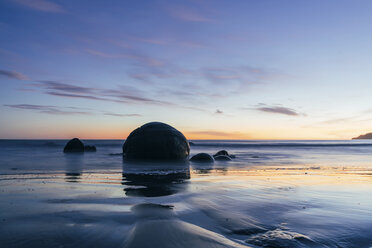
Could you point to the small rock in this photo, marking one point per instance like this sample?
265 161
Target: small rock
90 148
202 157
222 158
222 152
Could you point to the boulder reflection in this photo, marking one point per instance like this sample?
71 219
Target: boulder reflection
73 167
155 179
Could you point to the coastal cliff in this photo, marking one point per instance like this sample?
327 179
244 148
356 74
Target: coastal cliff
364 136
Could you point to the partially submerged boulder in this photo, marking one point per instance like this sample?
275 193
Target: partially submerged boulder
74 145
156 141
222 158
202 158
88 148
223 153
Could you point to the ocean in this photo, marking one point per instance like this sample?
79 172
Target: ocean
281 193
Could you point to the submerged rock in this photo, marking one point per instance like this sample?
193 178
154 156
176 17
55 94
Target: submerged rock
222 158
202 157
156 141
281 239
74 145
90 148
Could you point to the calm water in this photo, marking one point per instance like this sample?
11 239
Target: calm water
273 194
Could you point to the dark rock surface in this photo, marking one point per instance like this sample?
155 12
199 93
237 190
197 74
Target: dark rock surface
222 152
156 141
222 158
90 148
202 157
74 145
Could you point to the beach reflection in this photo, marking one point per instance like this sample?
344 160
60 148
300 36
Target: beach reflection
154 179
73 167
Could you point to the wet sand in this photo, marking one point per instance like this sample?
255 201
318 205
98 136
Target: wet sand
260 207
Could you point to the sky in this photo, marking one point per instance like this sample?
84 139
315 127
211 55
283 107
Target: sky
213 69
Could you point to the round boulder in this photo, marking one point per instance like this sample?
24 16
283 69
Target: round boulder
156 141
202 158
88 148
74 145
222 152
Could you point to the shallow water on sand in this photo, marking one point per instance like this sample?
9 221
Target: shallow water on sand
274 194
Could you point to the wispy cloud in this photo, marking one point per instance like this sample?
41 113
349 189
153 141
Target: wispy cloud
59 86
218 111
212 133
277 110
142 59
122 115
188 14
56 110
41 5
13 75
128 95
49 109
68 95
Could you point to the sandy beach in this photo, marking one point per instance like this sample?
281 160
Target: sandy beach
77 203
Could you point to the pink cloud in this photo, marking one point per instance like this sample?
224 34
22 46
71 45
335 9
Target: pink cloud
41 5
187 14
146 60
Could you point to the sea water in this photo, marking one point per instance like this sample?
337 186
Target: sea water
273 194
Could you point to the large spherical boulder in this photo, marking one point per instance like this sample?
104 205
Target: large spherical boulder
156 141
74 145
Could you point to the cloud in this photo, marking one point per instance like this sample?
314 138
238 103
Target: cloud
127 95
277 110
13 75
123 115
219 111
187 14
212 133
55 110
55 85
139 58
41 5
82 96
243 74
48 109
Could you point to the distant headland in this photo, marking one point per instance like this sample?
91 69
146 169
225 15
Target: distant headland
364 136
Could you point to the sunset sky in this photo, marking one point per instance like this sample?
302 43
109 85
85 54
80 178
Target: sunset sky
242 69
